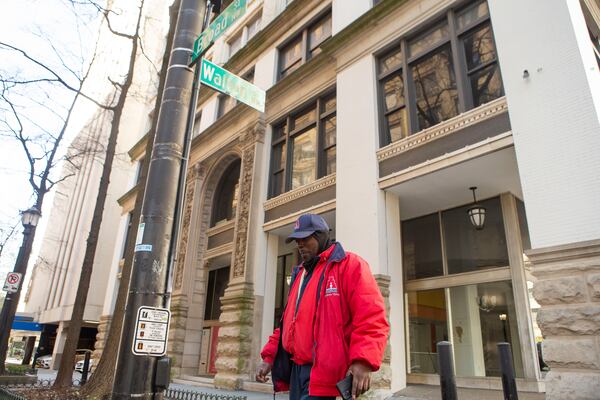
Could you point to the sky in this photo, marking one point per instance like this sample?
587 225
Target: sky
37 26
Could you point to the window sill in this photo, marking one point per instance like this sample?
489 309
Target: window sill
461 121
222 227
299 192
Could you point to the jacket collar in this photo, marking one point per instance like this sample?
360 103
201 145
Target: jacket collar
334 253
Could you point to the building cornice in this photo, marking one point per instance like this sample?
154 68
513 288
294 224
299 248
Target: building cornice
220 228
290 218
302 191
127 201
139 148
471 117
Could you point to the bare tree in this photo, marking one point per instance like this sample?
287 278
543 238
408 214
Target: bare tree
101 382
65 372
6 234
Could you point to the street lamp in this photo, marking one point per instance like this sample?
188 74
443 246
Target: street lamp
476 212
29 219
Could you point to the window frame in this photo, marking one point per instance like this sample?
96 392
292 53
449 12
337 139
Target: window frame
303 36
222 98
455 42
243 33
287 136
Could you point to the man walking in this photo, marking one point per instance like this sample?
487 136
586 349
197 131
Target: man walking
334 323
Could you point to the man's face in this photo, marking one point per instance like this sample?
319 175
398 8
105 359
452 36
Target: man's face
308 247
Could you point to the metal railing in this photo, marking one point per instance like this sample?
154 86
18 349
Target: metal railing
6 394
178 394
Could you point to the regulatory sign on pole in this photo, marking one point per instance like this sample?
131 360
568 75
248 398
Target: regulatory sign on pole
12 283
224 81
151 331
231 14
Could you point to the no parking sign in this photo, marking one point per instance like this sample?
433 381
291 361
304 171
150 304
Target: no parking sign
12 283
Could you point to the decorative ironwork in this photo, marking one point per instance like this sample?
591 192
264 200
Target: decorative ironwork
179 394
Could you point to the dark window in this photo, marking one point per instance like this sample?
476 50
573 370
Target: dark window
305 45
435 75
127 234
469 249
304 146
422 247
282 288
226 102
217 283
226 195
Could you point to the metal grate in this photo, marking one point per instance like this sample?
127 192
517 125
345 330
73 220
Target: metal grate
6 394
177 394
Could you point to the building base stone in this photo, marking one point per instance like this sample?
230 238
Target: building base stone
177 330
235 336
569 318
101 336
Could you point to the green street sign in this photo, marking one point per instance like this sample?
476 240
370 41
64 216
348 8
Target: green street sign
224 81
231 14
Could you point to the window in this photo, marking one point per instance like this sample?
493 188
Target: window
243 36
435 75
304 146
282 288
217 283
446 243
226 102
304 45
128 237
226 195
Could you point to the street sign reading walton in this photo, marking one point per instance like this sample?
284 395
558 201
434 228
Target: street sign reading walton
218 26
224 81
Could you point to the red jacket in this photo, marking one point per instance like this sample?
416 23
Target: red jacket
350 322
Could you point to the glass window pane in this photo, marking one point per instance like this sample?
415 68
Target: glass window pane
330 161
435 86
428 39
253 27
226 103
329 104
483 315
304 118
291 54
210 294
277 184
329 134
222 279
397 125
422 247
279 157
319 32
468 249
393 92
226 196
304 158
471 14
390 61
279 131
427 325
479 47
486 85
235 44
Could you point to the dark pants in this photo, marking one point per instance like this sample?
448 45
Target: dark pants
299 384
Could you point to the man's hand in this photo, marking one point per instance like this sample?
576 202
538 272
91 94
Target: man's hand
361 378
261 372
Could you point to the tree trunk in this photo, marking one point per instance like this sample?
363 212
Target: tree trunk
101 381
67 362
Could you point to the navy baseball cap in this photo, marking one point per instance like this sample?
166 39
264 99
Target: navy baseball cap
306 225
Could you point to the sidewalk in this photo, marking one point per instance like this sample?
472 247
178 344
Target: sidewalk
430 392
249 395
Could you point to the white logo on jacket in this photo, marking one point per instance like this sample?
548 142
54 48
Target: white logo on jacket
331 289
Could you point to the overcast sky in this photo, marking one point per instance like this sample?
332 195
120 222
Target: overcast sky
35 26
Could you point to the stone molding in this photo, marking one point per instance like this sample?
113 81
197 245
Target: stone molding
568 291
215 230
302 191
455 124
243 212
291 218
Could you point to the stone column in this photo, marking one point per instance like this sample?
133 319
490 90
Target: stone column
103 326
568 291
184 265
237 305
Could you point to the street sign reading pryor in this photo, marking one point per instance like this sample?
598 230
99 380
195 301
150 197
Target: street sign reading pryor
224 81
231 14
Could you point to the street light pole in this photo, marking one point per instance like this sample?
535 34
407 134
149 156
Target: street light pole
30 219
136 376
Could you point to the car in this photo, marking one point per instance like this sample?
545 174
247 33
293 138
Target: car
44 361
79 366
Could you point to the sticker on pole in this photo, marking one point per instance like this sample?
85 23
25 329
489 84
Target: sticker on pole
151 331
12 283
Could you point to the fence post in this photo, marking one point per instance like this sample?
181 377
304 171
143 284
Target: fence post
86 367
446 367
509 386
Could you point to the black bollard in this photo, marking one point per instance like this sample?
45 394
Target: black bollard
86 367
446 366
509 386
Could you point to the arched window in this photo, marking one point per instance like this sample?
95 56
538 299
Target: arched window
226 195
